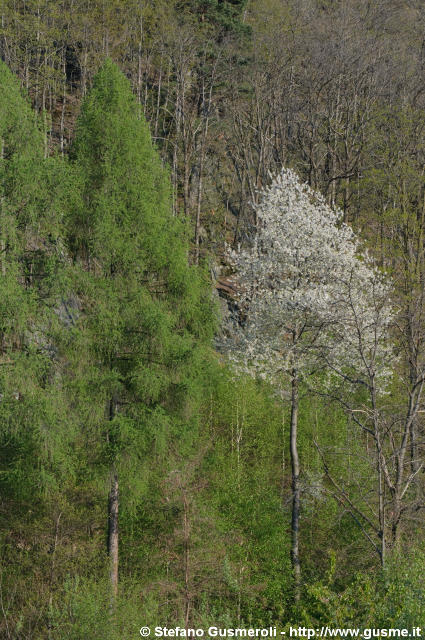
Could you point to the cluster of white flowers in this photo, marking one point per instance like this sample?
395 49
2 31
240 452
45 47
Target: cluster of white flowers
308 295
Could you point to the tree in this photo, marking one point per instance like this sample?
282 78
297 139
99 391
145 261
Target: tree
389 417
385 407
298 281
147 314
227 14
37 425
30 265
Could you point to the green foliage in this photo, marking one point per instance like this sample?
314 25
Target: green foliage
225 14
83 610
401 601
392 599
105 330
145 309
33 432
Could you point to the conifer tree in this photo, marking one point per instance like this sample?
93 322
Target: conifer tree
28 261
36 425
145 312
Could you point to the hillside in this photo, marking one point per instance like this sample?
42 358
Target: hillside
212 320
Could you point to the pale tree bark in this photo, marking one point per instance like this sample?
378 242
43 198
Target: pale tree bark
113 504
62 119
186 546
2 239
206 107
296 489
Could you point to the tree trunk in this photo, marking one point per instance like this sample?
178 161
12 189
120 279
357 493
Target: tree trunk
113 503
206 109
295 466
199 200
62 120
395 529
2 238
381 502
186 545
380 461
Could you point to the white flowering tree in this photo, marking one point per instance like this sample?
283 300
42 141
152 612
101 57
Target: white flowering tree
307 301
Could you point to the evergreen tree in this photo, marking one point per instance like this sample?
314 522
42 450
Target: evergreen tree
29 259
35 421
146 313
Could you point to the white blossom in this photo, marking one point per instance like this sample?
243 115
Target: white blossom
308 295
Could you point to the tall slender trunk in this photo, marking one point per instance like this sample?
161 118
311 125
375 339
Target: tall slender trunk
113 504
62 120
206 107
158 101
52 574
381 497
395 529
2 237
140 59
198 204
186 179
186 544
295 466
413 378
380 461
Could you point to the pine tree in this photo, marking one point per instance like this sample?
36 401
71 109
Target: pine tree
145 312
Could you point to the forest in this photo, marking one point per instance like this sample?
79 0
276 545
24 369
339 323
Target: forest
212 316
